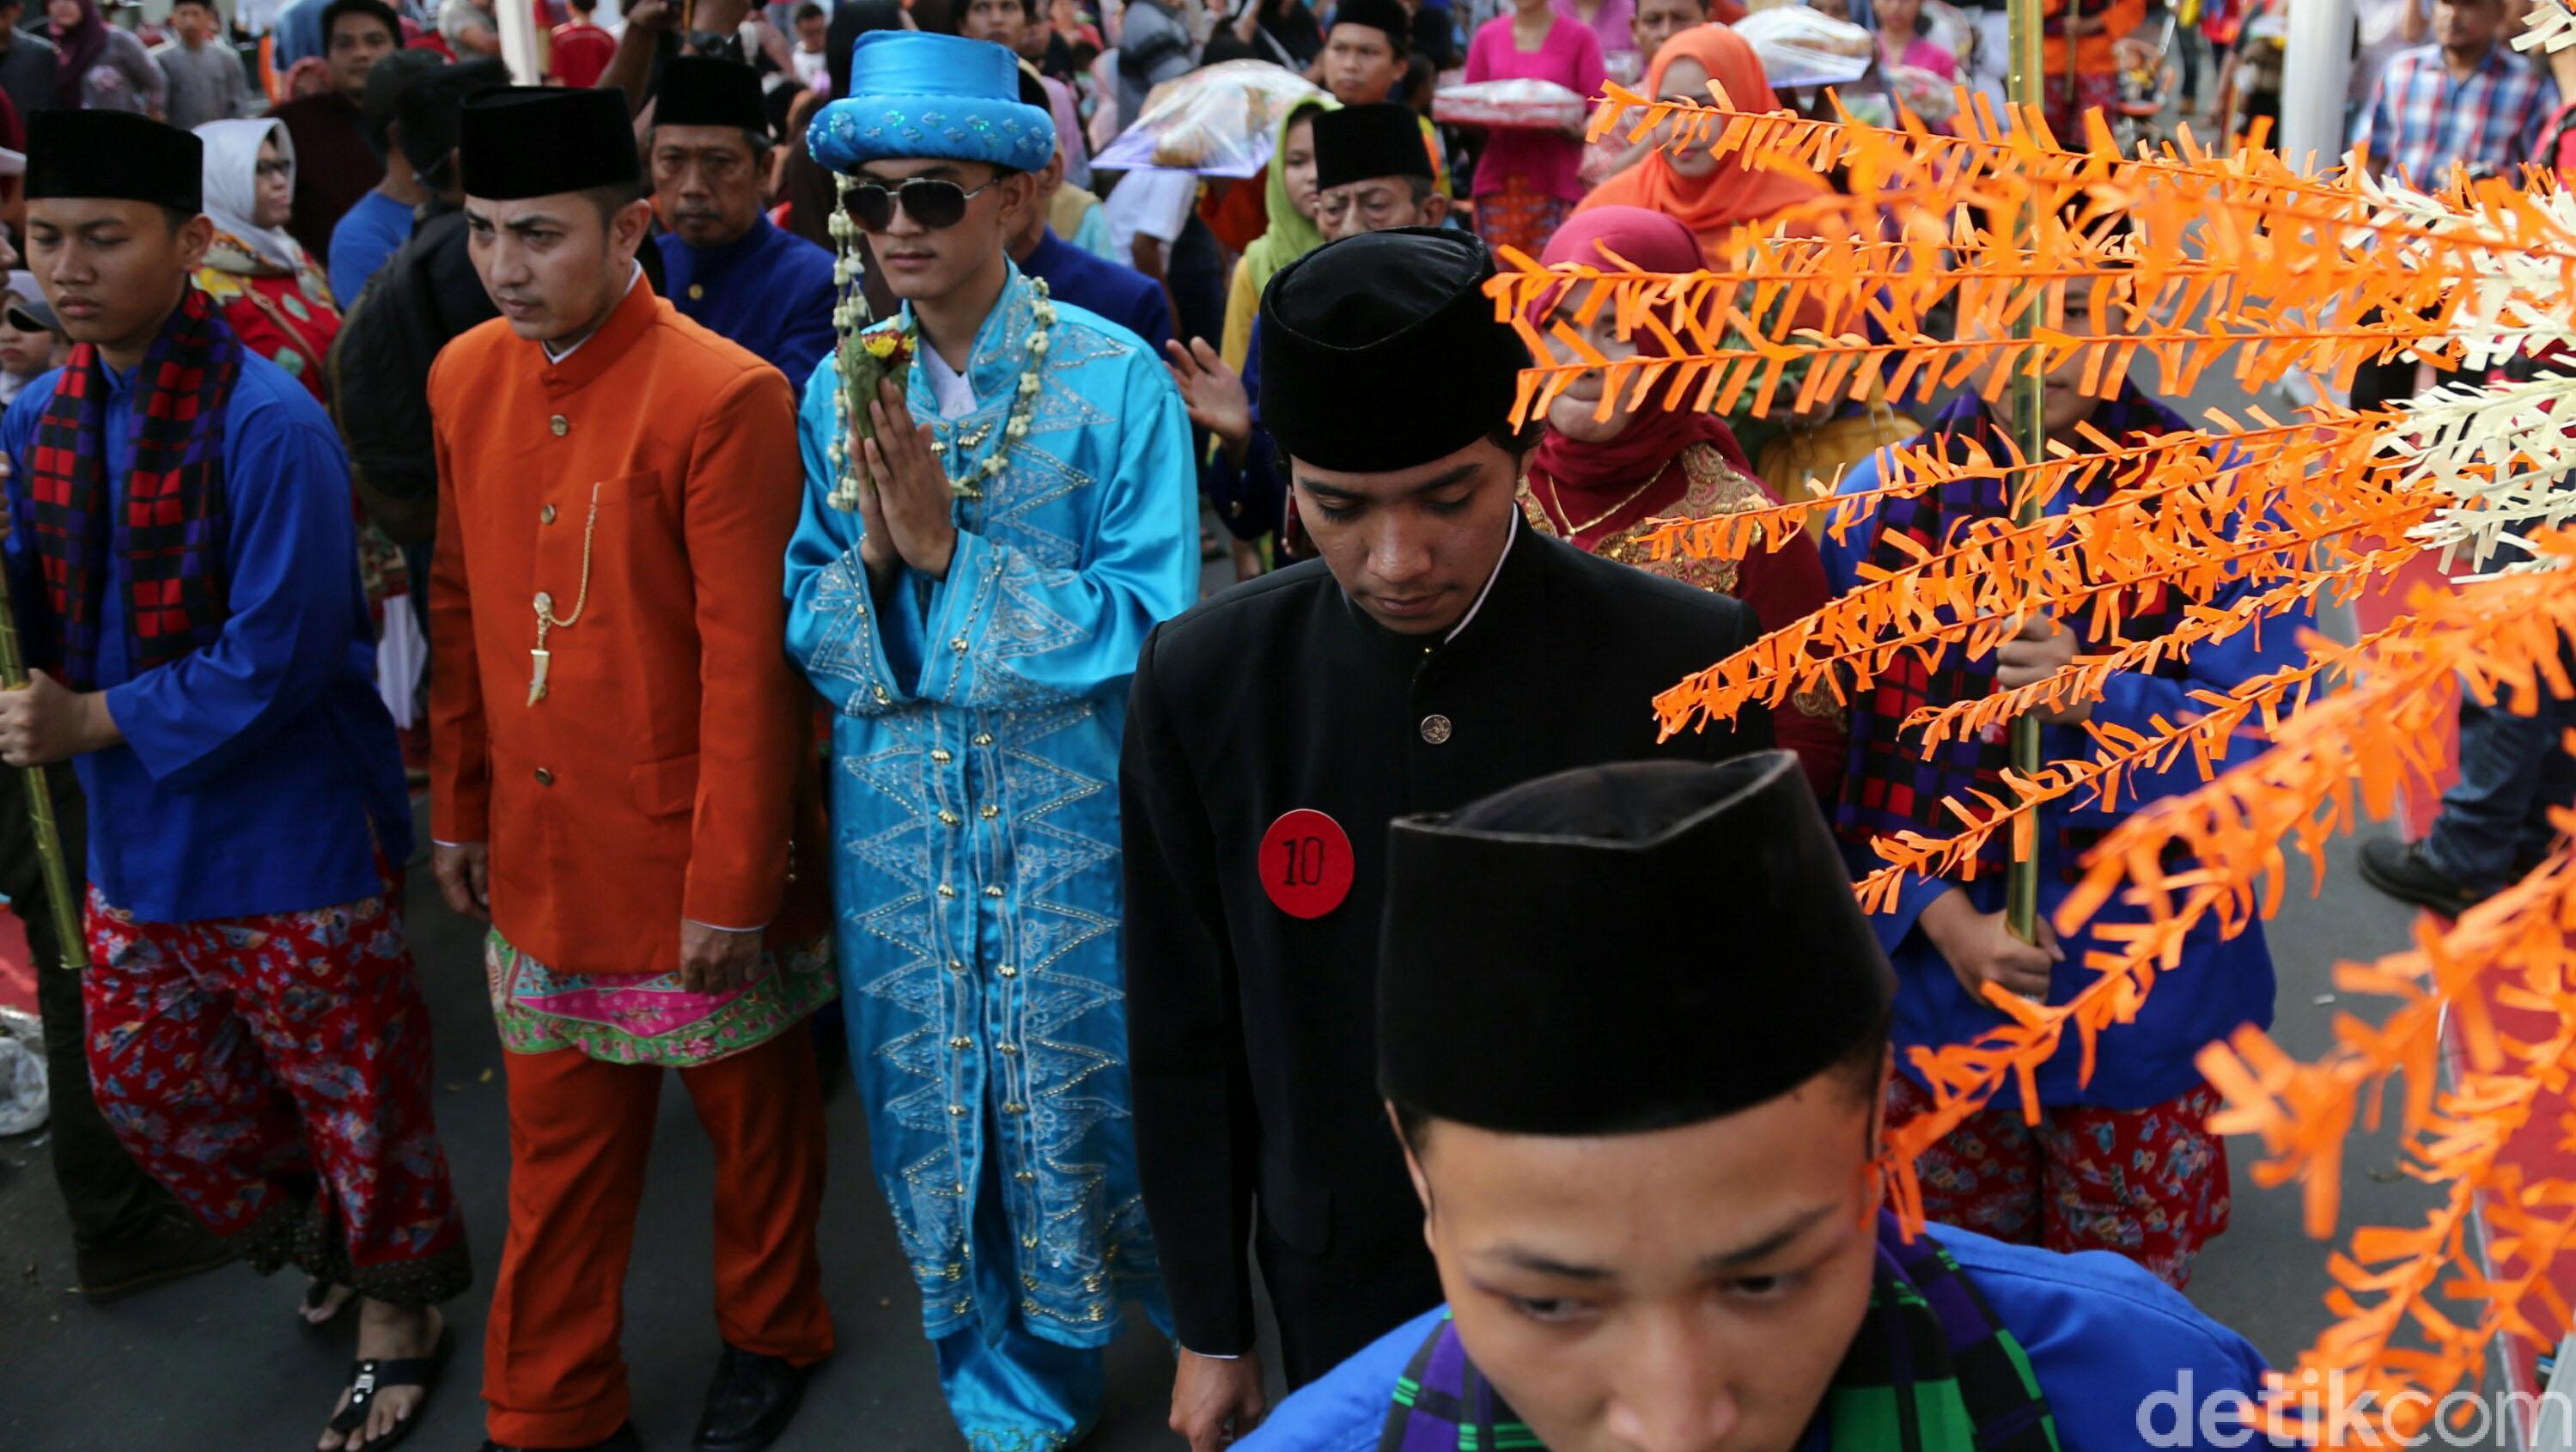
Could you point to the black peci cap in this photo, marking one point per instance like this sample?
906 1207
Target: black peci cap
702 90
516 142
1386 15
114 156
1381 352
1552 961
1361 143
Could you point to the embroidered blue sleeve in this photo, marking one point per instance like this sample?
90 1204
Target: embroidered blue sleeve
835 632
1025 617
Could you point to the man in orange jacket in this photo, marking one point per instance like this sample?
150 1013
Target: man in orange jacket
620 746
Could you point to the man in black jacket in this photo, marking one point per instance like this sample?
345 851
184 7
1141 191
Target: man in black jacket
425 295
1438 651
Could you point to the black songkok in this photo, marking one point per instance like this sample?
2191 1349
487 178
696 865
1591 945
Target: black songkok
702 90
1362 143
118 156
1386 15
517 142
1381 352
1622 948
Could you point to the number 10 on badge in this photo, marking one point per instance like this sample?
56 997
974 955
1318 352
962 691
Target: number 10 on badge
1306 864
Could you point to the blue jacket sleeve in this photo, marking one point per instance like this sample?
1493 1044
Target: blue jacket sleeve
2134 700
1006 628
835 631
1251 497
808 334
291 559
1154 319
17 429
2123 1359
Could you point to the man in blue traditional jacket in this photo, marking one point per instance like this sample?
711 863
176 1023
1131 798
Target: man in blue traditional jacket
1115 291
180 541
1650 1173
983 550
2125 1160
724 265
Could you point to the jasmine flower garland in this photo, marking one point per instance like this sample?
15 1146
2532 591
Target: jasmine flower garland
867 355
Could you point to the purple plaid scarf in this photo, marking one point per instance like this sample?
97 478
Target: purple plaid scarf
170 530
1893 784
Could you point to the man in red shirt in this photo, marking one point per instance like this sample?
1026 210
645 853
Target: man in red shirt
581 47
334 164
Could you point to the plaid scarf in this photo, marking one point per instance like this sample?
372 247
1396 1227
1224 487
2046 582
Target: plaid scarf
170 530
1893 784
1931 1370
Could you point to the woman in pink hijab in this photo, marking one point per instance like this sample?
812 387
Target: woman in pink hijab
1595 482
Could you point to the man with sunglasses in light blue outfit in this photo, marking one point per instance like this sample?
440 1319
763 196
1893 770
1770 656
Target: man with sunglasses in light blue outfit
989 534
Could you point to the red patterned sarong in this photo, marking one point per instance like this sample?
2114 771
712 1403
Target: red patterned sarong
1520 216
274 1073
2149 1183
2094 91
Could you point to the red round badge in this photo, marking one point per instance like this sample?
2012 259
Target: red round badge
1306 863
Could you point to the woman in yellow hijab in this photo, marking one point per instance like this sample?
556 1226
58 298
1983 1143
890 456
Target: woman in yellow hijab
1292 232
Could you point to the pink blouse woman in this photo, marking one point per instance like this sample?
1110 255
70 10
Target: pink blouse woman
1904 40
1528 181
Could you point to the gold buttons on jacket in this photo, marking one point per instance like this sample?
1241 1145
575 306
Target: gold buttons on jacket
1007 1048
992 892
1014 1107
948 818
697 290
961 1043
1435 728
1007 971
955 966
546 515
560 424
988 811
942 755
946 891
1025 1178
957 1111
958 644
880 693
983 738
545 777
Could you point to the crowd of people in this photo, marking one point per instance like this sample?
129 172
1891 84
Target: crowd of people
754 483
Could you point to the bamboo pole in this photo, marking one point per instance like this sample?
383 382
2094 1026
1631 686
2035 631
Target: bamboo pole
40 803
2021 881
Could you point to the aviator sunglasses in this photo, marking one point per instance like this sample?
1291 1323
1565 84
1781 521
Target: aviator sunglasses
932 203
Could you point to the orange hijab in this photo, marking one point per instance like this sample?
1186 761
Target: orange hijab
1712 205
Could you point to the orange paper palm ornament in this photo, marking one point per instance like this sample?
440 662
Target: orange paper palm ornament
2228 259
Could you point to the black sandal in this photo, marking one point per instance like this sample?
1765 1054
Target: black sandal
371 1376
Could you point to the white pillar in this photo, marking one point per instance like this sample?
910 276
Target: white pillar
2313 90
519 40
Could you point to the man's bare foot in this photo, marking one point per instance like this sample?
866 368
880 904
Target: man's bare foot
322 1304
386 1333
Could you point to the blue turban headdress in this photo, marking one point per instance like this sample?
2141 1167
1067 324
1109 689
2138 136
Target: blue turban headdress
915 94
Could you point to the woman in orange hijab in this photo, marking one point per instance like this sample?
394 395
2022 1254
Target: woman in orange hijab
1709 195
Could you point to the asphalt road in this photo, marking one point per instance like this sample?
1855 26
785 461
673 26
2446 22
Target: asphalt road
219 1363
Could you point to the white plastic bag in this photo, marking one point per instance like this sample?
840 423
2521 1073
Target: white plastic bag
1221 120
1799 47
1522 103
23 1106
